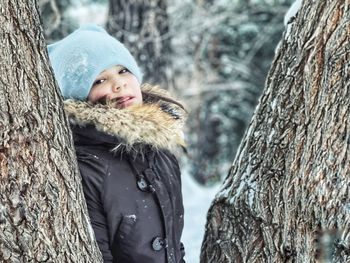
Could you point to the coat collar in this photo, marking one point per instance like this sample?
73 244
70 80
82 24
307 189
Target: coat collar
158 125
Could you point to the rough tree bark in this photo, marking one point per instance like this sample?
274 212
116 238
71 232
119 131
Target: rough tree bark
43 217
286 198
142 25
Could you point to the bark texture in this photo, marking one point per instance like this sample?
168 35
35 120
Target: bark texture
43 217
286 198
142 25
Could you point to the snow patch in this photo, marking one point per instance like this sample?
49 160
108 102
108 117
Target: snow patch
273 104
292 11
238 191
271 135
90 229
243 183
197 200
223 193
346 207
251 193
133 217
279 44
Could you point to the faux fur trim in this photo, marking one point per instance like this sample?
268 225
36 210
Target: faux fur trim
157 125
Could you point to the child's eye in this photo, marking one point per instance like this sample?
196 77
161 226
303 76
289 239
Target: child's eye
123 70
98 81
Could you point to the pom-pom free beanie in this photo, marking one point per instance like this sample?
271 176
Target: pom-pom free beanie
81 56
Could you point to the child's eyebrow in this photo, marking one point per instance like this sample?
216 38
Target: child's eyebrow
101 73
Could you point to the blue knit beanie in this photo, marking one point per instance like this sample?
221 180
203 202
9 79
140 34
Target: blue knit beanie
81 56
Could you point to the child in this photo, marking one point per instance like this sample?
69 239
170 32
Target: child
123 136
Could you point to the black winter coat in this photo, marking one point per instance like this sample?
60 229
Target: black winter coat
131 181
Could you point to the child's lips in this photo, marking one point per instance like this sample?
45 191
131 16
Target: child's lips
122 102
123 99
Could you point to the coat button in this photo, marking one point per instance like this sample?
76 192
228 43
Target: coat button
142 185
158 243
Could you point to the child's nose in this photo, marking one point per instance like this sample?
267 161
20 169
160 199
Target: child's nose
118 83
115 88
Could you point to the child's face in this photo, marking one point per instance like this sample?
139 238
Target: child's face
118 86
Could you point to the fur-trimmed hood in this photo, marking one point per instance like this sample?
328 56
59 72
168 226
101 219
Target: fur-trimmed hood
158 125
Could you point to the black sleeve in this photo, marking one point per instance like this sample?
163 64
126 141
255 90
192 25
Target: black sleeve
93 172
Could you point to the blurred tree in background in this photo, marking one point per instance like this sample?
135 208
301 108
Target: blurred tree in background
55 19
61 17
223 50
142 25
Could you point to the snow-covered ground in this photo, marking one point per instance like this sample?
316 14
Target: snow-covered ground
197 200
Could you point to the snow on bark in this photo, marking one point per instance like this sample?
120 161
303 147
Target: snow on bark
292 11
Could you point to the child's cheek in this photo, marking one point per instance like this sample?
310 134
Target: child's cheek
102 94
96 96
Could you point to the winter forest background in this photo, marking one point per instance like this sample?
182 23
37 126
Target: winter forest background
214 55
276 185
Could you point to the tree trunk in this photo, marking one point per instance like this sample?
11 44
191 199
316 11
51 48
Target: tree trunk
286 198
43 216
143 27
